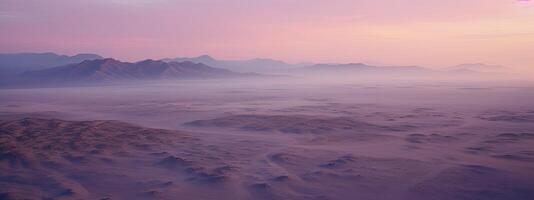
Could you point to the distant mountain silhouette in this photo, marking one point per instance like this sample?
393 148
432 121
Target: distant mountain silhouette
52 69
252 65
205 59
478 67
360 68
20 62
110 70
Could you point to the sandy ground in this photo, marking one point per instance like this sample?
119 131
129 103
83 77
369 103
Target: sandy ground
257 140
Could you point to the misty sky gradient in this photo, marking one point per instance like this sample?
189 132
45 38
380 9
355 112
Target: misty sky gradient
433 33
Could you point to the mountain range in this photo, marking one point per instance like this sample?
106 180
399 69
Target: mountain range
361 67
15 63
258 65
111 70
54 69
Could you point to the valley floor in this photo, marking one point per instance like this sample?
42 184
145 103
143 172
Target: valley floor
205 140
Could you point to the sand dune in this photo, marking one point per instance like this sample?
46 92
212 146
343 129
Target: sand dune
50 158
475 182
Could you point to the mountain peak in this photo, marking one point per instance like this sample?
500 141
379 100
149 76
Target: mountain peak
149 61
110 61
206 57
100 61
87 56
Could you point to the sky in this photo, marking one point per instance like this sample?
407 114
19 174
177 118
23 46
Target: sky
431 33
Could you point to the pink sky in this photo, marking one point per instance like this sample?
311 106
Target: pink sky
433 33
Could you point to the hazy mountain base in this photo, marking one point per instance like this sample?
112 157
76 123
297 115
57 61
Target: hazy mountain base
277 141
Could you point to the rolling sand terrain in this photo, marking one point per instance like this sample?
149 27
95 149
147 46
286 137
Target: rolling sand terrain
255 140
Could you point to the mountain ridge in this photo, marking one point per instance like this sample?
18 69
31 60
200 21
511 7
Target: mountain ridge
112 70
257 65
15 63
479 67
